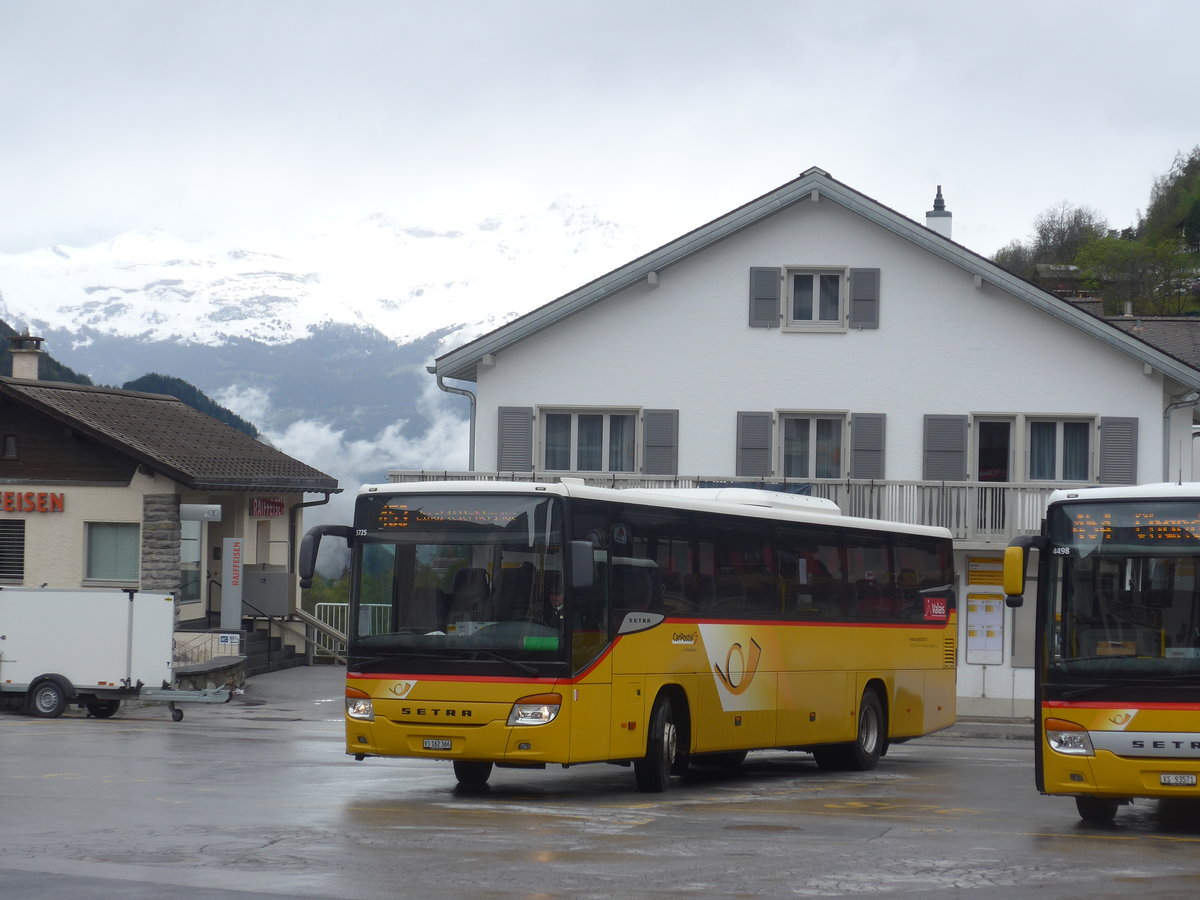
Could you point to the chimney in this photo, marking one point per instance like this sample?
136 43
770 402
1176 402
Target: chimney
939 218
26 351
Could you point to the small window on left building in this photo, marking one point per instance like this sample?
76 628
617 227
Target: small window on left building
9 449
12 550
112 551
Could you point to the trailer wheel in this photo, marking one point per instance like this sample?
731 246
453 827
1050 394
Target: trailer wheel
103 709
47 700
176 713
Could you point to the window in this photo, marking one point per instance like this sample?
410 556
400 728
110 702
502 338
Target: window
587 441
1059 450
815 297
12 549
10 447
112 551
812 446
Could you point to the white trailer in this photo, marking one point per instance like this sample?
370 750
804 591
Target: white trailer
93 648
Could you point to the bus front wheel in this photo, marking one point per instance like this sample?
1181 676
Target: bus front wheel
472 774
1097 810
653 771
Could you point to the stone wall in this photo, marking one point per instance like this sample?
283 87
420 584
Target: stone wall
160 543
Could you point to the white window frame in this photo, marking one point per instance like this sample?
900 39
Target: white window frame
1060 446
814 323
842 419
607 414
118 535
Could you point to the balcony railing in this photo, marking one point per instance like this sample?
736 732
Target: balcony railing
975 512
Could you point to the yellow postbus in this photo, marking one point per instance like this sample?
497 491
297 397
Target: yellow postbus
526 625
1118 644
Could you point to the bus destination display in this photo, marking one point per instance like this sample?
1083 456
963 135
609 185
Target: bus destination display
1164 526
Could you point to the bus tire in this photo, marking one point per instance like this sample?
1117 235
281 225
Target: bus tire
863 753
1097 810
47 700
653 771
472 774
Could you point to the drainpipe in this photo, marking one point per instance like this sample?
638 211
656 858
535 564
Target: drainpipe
471 397
1189 399
294 523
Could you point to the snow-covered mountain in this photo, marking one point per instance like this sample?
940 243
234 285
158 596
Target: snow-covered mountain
322 342
405 282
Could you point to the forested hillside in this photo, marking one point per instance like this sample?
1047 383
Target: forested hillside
51 370
1151 266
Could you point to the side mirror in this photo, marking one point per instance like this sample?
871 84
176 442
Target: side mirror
581 556
1016 562
311 543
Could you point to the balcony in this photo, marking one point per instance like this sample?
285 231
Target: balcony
980 515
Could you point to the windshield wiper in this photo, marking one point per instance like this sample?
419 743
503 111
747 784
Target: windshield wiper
516 664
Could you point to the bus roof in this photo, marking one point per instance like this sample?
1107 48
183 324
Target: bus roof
1167 491
774 505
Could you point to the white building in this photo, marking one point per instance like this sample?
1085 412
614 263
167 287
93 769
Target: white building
817 341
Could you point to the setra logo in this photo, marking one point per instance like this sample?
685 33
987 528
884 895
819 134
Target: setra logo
740 666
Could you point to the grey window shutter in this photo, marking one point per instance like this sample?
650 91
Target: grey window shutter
1118 450
945 456
754 444
660 442
866 445
514 429
765 285
864 298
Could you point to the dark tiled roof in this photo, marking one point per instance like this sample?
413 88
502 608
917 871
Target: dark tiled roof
170 437
1178 336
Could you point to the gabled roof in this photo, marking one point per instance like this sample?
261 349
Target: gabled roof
169 437
814 184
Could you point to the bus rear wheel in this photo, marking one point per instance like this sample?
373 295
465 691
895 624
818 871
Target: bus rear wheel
863 753
472 774
653 771
1097 810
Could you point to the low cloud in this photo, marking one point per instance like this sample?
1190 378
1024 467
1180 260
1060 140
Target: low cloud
443 445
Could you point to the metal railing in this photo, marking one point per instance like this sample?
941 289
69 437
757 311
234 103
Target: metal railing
330 640
975 512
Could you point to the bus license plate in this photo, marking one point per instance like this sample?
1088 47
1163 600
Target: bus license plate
1177 780
444 744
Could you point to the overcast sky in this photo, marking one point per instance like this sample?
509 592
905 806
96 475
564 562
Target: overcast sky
254 119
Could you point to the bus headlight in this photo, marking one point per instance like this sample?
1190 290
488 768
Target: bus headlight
1068 738
536 710
359 705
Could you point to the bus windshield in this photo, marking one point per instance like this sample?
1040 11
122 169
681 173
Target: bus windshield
458 584
1125 591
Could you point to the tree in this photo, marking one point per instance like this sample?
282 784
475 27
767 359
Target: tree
1059 233
1062 231
1173 200
1149 275
1017 258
